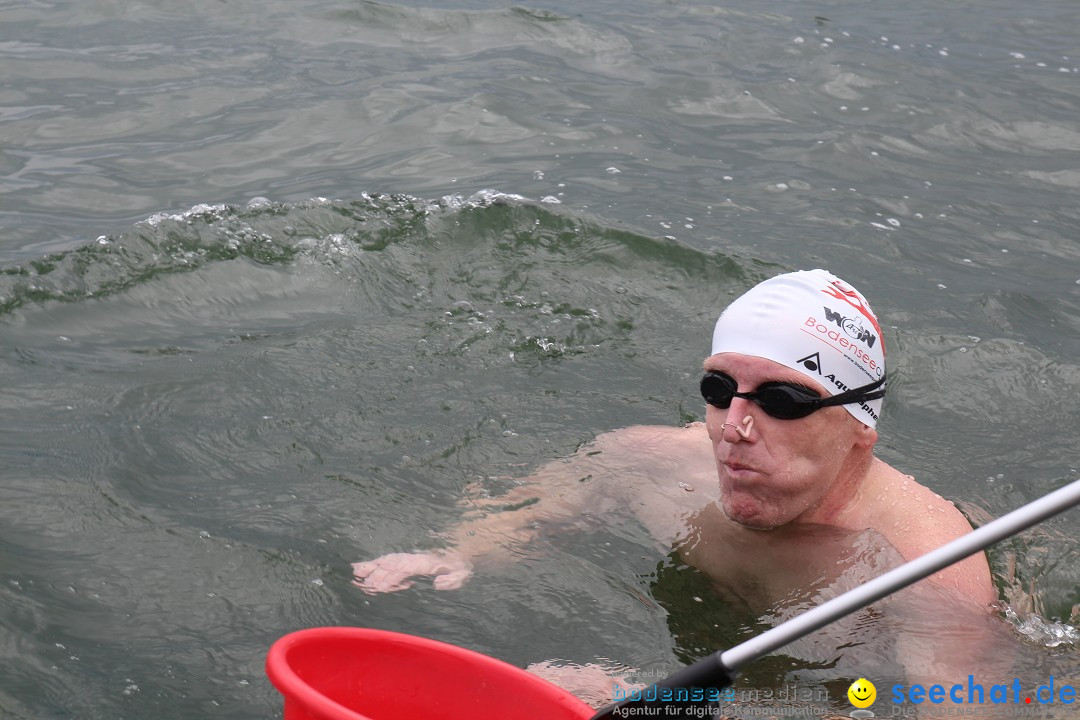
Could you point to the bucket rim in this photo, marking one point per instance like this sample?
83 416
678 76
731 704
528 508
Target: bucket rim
293 687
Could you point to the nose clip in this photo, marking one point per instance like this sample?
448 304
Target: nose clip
744 429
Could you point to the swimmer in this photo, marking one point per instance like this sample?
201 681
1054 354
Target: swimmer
793 389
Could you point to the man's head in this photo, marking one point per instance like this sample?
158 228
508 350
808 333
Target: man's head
785 355
814 323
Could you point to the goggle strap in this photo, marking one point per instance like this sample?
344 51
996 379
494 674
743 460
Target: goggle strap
859 394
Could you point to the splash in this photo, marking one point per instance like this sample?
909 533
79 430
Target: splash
1048 633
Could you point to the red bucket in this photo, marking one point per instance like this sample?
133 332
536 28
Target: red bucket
341 673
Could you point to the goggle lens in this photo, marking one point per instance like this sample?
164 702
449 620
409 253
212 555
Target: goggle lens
783 401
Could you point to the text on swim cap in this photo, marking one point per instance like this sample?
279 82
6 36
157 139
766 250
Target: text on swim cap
852 326
841 340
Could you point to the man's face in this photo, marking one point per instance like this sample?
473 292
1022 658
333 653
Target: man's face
782 471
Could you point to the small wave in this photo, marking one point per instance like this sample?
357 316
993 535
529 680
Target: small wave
341 235
1047 633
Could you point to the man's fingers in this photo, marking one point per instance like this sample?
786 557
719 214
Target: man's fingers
373 580
362 569
372 577
391 573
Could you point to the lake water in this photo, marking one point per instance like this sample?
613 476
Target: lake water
279 279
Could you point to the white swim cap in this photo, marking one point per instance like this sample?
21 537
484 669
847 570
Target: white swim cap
815 324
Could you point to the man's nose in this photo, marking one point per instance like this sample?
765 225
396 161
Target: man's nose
739 423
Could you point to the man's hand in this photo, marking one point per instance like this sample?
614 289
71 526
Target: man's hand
392 572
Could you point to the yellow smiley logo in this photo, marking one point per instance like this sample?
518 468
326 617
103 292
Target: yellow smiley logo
862 693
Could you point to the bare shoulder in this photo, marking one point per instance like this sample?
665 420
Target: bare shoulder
657 451
924 517
917 520
690 441
618 465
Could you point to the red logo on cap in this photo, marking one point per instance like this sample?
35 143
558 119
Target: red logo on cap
852 298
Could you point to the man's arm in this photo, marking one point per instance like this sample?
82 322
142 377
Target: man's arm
495 529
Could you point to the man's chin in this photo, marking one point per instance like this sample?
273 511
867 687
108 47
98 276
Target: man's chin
748 518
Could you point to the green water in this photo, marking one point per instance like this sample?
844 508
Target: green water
489 233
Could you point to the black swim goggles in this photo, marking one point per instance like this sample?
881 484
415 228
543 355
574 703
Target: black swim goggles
781 400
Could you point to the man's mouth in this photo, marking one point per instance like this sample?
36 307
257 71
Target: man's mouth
736 468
